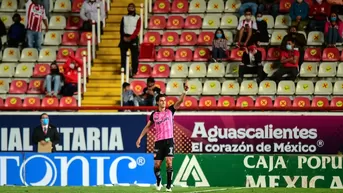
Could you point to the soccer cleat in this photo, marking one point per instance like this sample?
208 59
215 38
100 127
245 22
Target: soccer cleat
158 188
168 190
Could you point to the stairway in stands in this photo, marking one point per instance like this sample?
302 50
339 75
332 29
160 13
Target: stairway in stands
104 86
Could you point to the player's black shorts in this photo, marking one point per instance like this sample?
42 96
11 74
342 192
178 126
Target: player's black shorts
164 148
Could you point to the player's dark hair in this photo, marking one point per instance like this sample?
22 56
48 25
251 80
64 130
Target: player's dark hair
41 116
160 96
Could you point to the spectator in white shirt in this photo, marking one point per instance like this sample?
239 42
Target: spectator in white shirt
89 12
245 29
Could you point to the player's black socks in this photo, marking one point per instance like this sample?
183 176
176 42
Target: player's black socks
169 177
158 175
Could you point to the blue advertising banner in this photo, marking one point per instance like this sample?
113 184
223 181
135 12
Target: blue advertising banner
71 169
78 133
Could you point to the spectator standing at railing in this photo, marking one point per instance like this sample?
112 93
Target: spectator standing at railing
70 75
54 80
35 15
319 12
89 12
16 33
129 29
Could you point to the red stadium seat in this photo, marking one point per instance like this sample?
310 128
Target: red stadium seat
205 38
41 70
179 6
137 86
160 71
84 38
320 102
208 101
13 102
201 54
74 23
68 102
18 87
157 22
330 55
281 101
76 7
336 102
161 85
165 55
32 102
244 101
183 55
161 6
70 38
147 52
175 22
193 22
236 54
263 101
50 102
313 54
274 54
263 52
152 37
301 102
171 100
36 87
63 54
226 101
80 51
144 71
170 39
285 5
190 102
188 39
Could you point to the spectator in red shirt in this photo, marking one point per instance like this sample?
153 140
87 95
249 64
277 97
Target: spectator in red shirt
289 63
319 11
70 75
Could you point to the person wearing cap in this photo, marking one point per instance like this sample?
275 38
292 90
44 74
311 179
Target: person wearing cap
129 29
89 12
251 64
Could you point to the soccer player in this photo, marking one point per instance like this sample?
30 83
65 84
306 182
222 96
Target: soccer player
164 142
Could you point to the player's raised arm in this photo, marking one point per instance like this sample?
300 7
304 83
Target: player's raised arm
182 97
145 130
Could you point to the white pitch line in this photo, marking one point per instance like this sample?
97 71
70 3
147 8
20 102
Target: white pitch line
212 190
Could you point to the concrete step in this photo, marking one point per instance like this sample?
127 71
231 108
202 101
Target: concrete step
105 65
104 73
105 57
109 43
92 85
112 29
104 82
98 53
97 77
122 10
124 3
107 61
110 36
101 94
114 19
107 68
113 49
115 90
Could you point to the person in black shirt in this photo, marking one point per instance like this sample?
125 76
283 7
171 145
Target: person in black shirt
16 33
261 34
54 80
150 93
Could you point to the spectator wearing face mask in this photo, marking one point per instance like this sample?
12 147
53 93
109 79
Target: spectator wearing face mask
261 34
245 29
299 14
219 46
89 12
70 75
289 63
54 80
299 41
319 11
251 64
248 4
129 29
269 6
333 30
16 33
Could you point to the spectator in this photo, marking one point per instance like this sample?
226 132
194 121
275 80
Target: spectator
54 80
16 33
270 7
319 11
299 13
2 31
149 93
251 64
70 75
245 29
35 14
129 29
89 12
248 4
129 97
219 46
299 40
333 30
289 63
261 34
